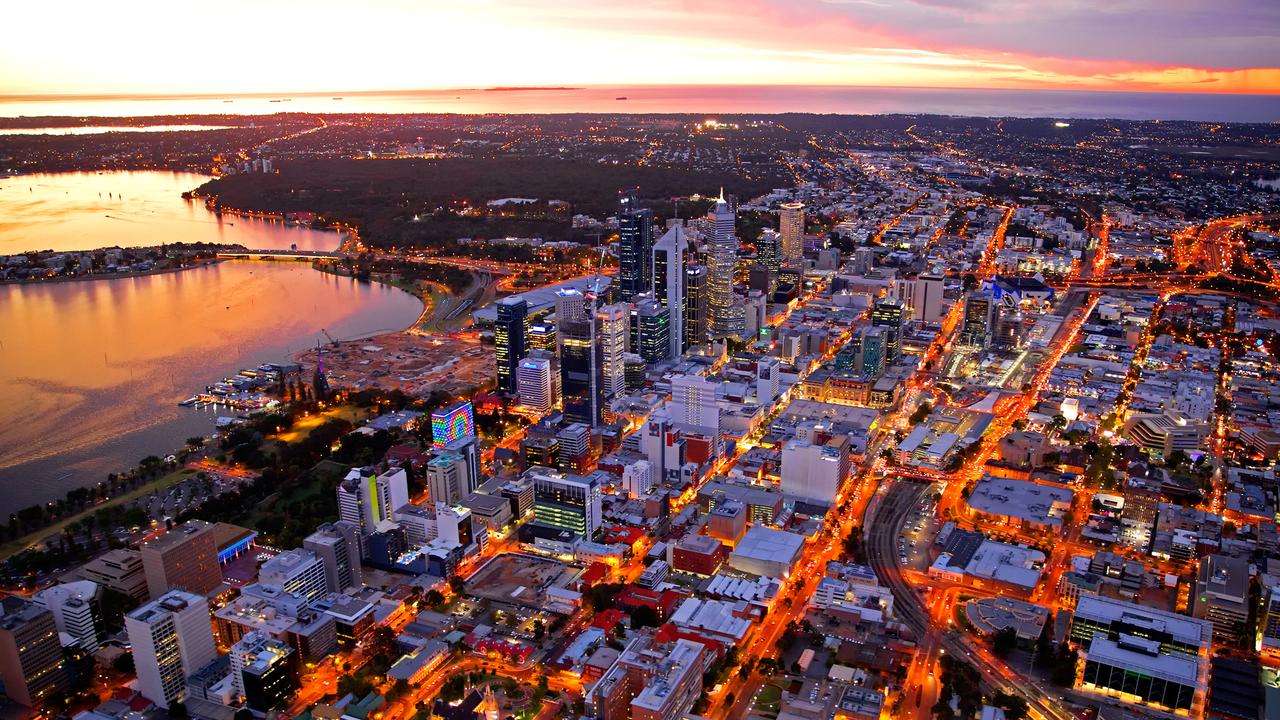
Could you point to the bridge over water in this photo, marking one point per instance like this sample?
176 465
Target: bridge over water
251 254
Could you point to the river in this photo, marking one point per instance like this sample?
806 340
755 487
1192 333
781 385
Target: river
87 210
91 371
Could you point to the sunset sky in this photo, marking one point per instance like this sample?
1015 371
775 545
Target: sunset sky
231 46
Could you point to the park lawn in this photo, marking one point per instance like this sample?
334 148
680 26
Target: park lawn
164 481
303 426
768 699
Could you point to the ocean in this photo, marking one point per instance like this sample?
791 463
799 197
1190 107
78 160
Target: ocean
709 100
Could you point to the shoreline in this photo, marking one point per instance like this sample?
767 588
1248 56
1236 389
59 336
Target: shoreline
115 276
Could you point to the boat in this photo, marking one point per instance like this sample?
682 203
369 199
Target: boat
621 97
337 98
189 401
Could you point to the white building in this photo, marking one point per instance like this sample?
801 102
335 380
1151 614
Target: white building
637 478
766 552
367 499
614 323
694 403
791 225
533 383
75 612
172 637
298 571
815 472
669 280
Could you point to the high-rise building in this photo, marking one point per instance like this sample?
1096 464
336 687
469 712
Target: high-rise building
469 449
575 448
1221 596
120 570
580 376
76 611
263 672
635 246
694 403
1269 620
338 547
533 383
172 638
365 499
453 422
635 369
30 655
979 319
510 340
813 471
446 481
769 255
1142 654
887 313
925 298
652 335
185 558
299 571
669 280
542 336
720 271
695 305
613 328
571 305
791 227
568 502
664 446
874 350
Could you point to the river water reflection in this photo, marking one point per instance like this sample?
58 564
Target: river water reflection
91 371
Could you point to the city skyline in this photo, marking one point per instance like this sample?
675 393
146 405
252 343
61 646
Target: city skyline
1193 47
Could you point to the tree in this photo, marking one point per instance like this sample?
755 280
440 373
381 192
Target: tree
457 584
1003 642
434 598
1015 708
177 710
644 616
1064 666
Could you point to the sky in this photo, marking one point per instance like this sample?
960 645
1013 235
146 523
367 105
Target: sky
248 46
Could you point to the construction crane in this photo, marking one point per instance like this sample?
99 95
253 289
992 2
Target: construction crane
331 340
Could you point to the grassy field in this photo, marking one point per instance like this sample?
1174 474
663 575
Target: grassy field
160 483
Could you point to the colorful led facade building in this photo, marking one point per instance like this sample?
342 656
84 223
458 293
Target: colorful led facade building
452 423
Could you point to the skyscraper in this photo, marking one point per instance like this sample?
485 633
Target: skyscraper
571 305
874 349
769 255
510 339
724 254
652 336
887 313
30 654
635 246
172 638
569 502
925 298
669 281
694 403
534 383
791 227
453 422
580 380
186 558
695 305
339 550
613 328
446 478
365 499
979 319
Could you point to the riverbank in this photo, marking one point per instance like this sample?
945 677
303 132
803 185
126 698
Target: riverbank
111 276
416 360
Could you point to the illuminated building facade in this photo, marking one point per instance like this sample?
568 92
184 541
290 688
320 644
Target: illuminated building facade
452 423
